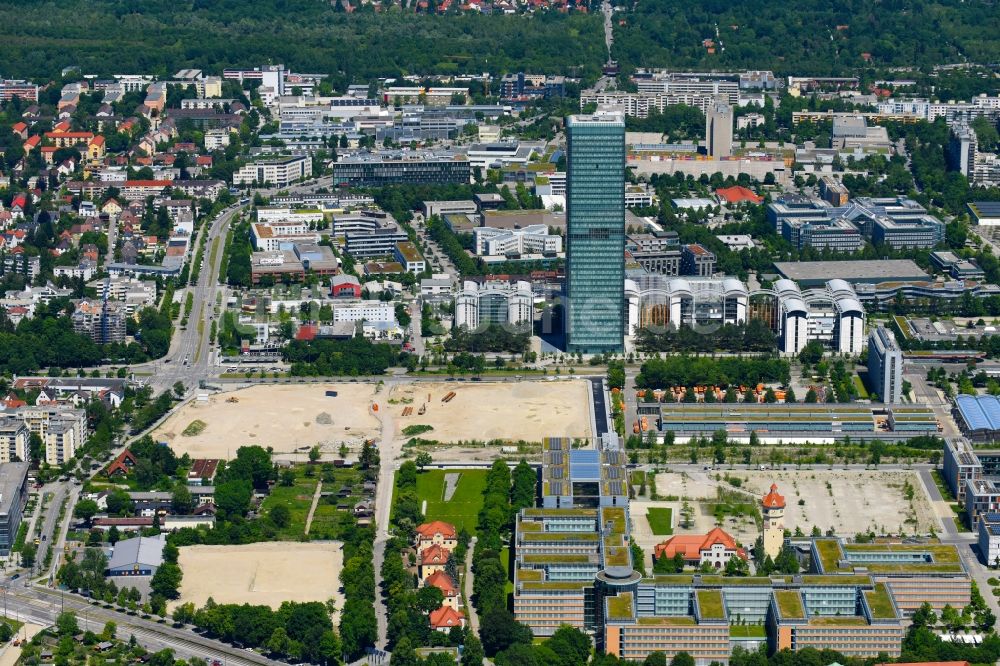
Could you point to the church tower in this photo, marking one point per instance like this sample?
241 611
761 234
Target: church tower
773 511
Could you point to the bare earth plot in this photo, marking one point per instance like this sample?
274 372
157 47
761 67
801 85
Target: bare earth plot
287 418
848 501
263 574
482 411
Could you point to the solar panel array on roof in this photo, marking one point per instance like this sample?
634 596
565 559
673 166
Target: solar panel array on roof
979 412
556 457
614 472
555 444
616 487
987 208
555 488
557 472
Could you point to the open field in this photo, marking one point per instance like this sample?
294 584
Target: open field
462 510
848 501
482 411
261 573
287 418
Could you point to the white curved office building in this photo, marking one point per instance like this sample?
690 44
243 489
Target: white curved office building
831 314
493 303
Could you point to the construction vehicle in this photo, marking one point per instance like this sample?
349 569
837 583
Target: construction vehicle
232 399
423 409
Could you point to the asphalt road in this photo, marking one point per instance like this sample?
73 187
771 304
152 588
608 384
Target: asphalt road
41 605
388 447
191 358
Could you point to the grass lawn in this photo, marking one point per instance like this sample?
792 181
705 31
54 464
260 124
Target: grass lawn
860 385
298 499
747 631
660 520
463 508
505 558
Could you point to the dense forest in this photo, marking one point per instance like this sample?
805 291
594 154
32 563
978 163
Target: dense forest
119 36
808 37
41 37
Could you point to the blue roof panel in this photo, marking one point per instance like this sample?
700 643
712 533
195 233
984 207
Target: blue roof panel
979 412
585 465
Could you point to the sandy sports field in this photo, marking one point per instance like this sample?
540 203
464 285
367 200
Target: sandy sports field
288 418
263 574
528 410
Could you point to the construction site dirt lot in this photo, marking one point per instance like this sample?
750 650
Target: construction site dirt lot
263 574
290 419
527 410
848 501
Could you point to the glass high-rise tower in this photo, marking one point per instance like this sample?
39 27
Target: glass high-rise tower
595 247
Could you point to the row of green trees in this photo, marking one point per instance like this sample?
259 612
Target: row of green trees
358 624
752 336
356 356
659 373
301 631
408 603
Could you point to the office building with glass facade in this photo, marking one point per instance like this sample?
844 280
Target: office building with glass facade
595 249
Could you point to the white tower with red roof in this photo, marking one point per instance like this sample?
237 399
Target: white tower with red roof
773 511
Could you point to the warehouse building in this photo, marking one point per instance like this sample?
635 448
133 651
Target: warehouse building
791 421
816 273
139 556
978 416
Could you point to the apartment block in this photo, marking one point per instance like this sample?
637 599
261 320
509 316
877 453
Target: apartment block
279 172
14 437
697 260
103 321
271 236
62 429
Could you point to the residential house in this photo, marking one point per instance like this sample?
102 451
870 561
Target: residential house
122 465
432 559
715 548
449 589
445 618
437 533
